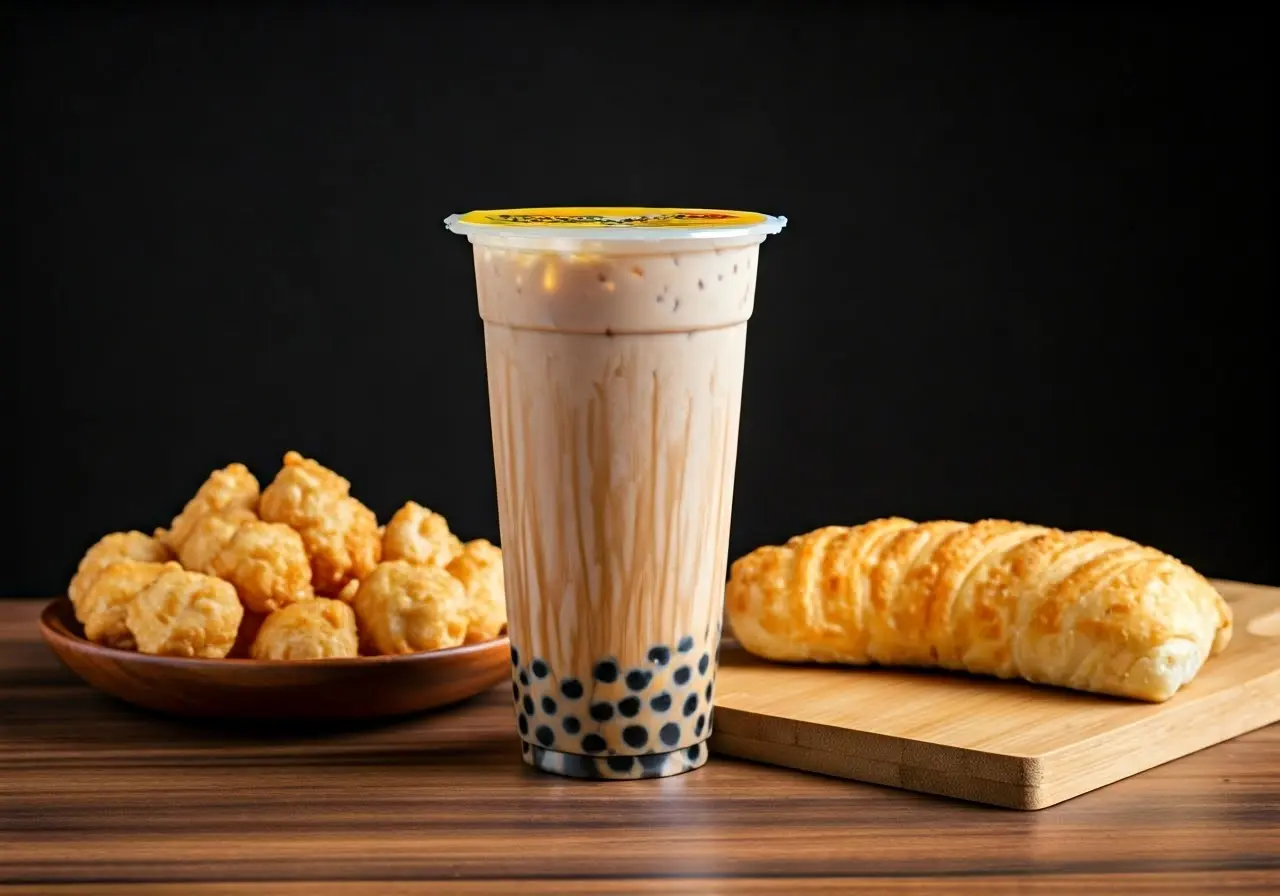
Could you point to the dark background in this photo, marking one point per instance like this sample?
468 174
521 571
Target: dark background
1029 271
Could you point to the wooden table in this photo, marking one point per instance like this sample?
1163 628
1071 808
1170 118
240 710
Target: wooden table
97 797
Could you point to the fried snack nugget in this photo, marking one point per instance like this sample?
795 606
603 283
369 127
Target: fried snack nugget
349 591
343 546
211 533
186 614
404 608
131 545
314 630
300 491
231 488
267 564
339 534
479 569
419 536
105 603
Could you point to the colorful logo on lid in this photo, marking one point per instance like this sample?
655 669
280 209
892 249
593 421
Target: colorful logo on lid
613 217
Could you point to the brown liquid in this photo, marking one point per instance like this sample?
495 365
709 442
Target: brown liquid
615 385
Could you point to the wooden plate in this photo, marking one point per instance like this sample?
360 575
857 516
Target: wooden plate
315 690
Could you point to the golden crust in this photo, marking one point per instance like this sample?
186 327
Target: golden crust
349 591
420 536
1085 610
104 605
301 490
267 564
132 545
231 488
479 569
313 630
340 535
185 614
404 608
342 546
208 536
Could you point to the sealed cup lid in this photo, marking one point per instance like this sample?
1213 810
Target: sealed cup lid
606 223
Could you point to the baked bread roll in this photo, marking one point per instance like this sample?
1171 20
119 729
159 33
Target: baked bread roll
1083 610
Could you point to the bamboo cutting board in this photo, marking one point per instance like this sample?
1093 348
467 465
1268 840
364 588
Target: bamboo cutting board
1000 742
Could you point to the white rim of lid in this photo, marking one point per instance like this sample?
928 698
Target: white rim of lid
770 224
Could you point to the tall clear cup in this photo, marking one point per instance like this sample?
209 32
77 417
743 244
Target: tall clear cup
614 342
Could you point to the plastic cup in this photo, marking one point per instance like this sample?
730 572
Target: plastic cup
614 342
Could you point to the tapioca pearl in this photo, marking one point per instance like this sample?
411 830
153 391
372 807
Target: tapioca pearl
686 644
549 706
571 688
539 669
572 725
628 707
699 725
704 663
545 735
524 678
638 679
652 762
523 724
694 752
621 764
606 672
635 736
670 734
682 675
659 656
690 705
515 691
515 657
527 703
708 691
578 766
524 747
594 743
661 703
602 712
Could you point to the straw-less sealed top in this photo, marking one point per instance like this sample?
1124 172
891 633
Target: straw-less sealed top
621 224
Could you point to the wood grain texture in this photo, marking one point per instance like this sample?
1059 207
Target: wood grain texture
100 797
366 687
1000 742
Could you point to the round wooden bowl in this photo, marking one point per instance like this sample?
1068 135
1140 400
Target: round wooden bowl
313 690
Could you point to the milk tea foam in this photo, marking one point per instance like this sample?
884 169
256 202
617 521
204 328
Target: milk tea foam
615 383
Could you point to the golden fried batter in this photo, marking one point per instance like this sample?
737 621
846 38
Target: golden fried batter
300 490
479 569
185 614
405 608
314 630
131 545
211 533
267 564
231 488
420 536
343 546
104 604
339 534
349 591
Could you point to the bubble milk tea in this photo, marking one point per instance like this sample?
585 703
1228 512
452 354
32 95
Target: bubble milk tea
614 341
